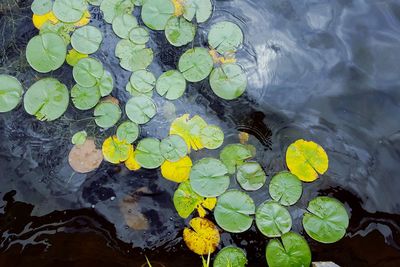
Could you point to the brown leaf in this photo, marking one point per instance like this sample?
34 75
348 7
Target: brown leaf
85 158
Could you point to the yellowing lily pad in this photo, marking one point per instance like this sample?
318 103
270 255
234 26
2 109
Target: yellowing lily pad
115 150
131 163
177 171
74 56
203 238
189 130
40 20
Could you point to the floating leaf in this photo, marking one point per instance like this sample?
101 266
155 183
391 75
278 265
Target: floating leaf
135 92
155 13
225 37
84 20
230 257
208 203
199 9
195 64
234 155
272 219
204 238
106 84
148 153
131 163
326 220
189 130
114 8
293 251
95 2
177 171
123 24
46 52
142 81
74 56
179 31
212 137
228 81
69 10
171 84
10 93
140 109
41 7
84 158
87 72
85 98
60 28
285 188
128 131
173 148
137 59
209 177
125 47
40 20
139 35
107 114
233 211
251 176
47 99
87 39
306 160
79 138
115 150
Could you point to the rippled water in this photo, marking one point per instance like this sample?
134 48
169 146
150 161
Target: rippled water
321 70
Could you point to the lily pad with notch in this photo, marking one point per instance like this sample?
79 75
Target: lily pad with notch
140 109
171 84
148 153
234 155
88 71
10 93
41 7
225 37
129 88
173 148
230 257
128 131
69 10
251 176
142 81
211 137
107 114
79 138
87 39
155 13
272 219
195 64
285 188
228 81
189 129
85 98
115 150
179 31
139 35
200 10
123 24
138 59
114 8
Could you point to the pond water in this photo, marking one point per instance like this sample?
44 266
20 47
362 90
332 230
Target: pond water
322 70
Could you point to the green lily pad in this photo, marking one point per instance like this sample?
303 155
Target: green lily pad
285 188
211 137
225 37
234 155
47 99
233 211
69 10
251 176
95 2
155 13
106 83
128 131
123 24
326 220
209 177
10 93
293 251
140 109
171 84
173 148
79 138
87 72
199 9
61 29
228 81
85 98
86 40
139 35
138 59
179 31
114 8
272 219
107 114
186 200
41 7
148 153
195 64
138 2
46 52
143 81
230 257
135 92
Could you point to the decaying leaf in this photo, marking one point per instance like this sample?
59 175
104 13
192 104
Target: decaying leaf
133 217
189 130
177 171
40 20
203 238
85 158
131 163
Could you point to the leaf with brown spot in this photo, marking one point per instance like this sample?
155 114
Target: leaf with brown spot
203 238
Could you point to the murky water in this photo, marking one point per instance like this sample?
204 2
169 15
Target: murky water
321 70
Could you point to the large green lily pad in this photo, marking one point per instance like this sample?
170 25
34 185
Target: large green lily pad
140 109
225 37
69 10
228 81
171 84
114 8
179 31
285 188
107 114
148 153
41 7
128 131
88 71
155 13
143 81
10 93
139 35
272 219
85 98
86 40
211 137
251 176
199 9
195 64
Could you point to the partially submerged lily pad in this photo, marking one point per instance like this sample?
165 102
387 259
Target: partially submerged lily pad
234 155
228 81
87 39
212 137
107 114
155 13
115 150
197 9
85 98
203 236
69 10
79 138
230 257
195 64
140 109
87 72
251 176
171 84
10 93
285 188
272 219
179 31
225 37
85 157
128 131
41 7
148 153
177 171
173 148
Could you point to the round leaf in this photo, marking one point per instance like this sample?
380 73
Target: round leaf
326 220
251 176
234 155
69 10
233 211
123 24
135 92
124 48
139 35
209 178
225 37
177 171
86 157
106 83
285 188
140 109
189 130
107 114
143 81
155 13
114 8
138 59
85 98
228 81
204 238
41 7
186 200
195 64
115 150
148 153
86 40
128 131
199 9
272 219
171 84
173 148
87 72
230 257
212 137
10 92
79 138
179 31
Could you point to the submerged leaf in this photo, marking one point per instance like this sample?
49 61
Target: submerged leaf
203 238
177 171
10 93
115 150
84 158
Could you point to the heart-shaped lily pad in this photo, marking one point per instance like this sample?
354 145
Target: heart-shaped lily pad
41 7
212 137
85 98
114 8
107 114
123 24
69 10
225 36
140 109
199 9
115 150
234 155
186 200
272 219
128 131
228 81
326 220
155 13
173 148
88 71
171 84
139 35
87 39
234 211
285 188
10 92
143 81
251 176
148 153
230 257
195 64
179 31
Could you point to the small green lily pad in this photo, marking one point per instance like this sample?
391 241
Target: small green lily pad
228 81
179 31
85 98
234 155
225 37
87 72
272 219
123 24
114 8
139 35
230 257
69 10
173 148
155 13
41 7
199 9
107 114
171 84
195 64
285 188
10 93
143 81
186 200
128 131
211 137
79 138
251 176
86 40
148 153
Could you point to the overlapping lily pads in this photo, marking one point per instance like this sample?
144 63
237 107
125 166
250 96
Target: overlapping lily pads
41 7
234 155
230 257
139 35
212 137
228 81
143 81
140 109
148 153
195 64
123 24
272 219
285 188
133 56
177 171
197 9
10 93
173 148
115 150
155 13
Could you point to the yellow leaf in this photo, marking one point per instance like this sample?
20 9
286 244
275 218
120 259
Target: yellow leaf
307 160
203 238
177 171
40 20
84 20
74 56
243 137
115 150
202 212
218 59
189 130
131 163
207 203
178 4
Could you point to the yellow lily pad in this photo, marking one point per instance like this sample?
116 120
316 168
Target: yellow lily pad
203 238
189 130
74 56
131 163
40 20
177 171
208 203
84 20
115 150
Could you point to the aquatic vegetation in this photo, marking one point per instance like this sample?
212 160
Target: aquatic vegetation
140 109
107 114
79 138
285 188
195 64
177 171
272 219
173 148
10 93
115 150
230 257
251 176
86 40
234 155
203 236
74 56
128 131
84 158
171 84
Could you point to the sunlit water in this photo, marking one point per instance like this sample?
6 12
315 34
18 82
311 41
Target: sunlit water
326 71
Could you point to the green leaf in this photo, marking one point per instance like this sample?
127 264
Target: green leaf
139 35
234 155
85 98
123 24
233 211
10 93
285 188
228 81
125 47
293 251
140 109
69 10
46 52
173 148
87 39
199 9
61 29
106 83
225 37
79 138
212 137
230 257
41 7
87 72
47 99
143 81
155 13
107 114
186 200
128 131
95 2
137 59
272 219
326 220
171 84
195 64
251 176
209 177
148 153
114 8
135 92
179 31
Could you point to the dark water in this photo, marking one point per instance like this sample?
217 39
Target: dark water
321 70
